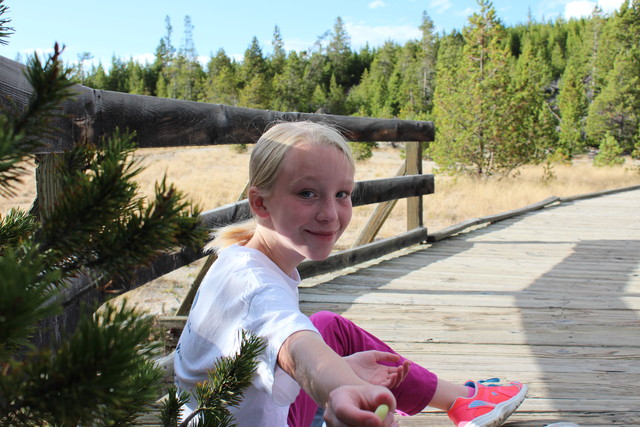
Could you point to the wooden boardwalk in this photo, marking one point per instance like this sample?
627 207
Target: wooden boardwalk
550 298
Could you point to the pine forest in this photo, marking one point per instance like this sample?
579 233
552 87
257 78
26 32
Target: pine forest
500 96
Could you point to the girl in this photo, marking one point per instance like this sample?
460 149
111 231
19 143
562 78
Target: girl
301 179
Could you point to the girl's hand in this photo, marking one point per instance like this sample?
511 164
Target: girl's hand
355 406
366 365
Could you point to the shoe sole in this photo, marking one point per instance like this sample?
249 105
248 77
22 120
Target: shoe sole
501 412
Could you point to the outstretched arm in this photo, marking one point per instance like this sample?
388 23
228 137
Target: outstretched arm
367 365
330 381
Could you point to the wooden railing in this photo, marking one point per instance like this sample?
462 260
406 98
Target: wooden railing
93 114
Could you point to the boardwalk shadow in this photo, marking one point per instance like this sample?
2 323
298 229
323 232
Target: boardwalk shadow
578 323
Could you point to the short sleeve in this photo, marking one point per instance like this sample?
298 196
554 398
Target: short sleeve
274 315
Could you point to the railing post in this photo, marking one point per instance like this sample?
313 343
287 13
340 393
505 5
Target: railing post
48 184
414 167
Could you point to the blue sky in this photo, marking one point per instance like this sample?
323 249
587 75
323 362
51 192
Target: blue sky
133 28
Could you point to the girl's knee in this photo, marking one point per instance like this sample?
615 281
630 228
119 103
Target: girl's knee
323 317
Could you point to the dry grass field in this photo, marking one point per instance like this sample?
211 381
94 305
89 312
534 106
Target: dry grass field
215 176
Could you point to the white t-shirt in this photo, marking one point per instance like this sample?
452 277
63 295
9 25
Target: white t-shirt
243 290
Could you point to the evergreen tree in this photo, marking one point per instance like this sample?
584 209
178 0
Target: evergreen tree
315 73
80 74
5 30
164 56
372 97
448 100
118 80
220 86
412 83
97 226
318 99
610 153
103 372
279 55
255 91
557 47
291 92
228 379
474 139
136 82
336 100
531 120
97 78
427 63
339 54
596 52
254 62
184 75
616 109
572 102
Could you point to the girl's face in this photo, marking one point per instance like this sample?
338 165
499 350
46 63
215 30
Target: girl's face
309 206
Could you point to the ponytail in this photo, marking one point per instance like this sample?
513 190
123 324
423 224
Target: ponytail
232 234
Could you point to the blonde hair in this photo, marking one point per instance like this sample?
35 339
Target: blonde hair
265 165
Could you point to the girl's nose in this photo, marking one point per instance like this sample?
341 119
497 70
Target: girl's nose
328 211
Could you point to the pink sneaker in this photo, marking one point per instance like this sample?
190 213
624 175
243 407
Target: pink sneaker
490 406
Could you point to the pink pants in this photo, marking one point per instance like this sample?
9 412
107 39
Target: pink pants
345 338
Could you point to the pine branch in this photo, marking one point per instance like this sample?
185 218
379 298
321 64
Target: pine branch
228 379
25 290
144 386
100 223
5 31
97 190
171 407
106 365
166 223
103 373
21 132
14 227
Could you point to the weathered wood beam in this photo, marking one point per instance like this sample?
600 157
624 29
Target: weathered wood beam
364 193
161 122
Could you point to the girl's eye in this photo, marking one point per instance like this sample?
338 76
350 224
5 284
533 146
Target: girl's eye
306 194
343 195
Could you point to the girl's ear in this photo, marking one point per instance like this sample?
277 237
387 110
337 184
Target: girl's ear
256 203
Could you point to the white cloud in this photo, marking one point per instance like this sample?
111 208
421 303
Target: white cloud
578 9
583 8
440 6
610 5
376 4
378 35
466 12
144 58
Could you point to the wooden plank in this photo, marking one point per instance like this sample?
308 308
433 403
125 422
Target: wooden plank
414 166
382 211
550 297
534 419
457 228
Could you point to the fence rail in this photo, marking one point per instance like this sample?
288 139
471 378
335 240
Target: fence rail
158 122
